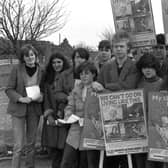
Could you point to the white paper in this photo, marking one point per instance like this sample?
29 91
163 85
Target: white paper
33 92
72 119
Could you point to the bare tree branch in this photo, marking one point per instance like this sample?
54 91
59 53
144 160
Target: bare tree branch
33 20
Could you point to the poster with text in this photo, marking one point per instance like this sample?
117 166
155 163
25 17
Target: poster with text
124 122
158 126
135 17
92 135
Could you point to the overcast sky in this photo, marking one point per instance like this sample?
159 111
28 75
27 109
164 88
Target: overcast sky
89 18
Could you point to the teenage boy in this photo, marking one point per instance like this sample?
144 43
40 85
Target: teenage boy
119 74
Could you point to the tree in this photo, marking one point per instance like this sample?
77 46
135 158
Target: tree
30 20
107 34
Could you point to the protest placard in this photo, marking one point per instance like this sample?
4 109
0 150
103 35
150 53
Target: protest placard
124 122
136 17
158 126
92 135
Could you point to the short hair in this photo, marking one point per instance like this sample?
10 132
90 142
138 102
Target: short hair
86 66
121 36
104 44
25 52
83 53
148 60
50 73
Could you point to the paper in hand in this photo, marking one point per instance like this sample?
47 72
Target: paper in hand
33 92
72 119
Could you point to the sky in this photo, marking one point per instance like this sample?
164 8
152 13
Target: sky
89 18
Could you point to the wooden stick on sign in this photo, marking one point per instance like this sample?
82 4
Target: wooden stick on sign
101 159
129 160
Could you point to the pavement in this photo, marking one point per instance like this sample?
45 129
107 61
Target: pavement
39 163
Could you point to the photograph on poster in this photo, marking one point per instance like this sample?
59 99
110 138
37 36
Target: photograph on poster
133 112
140 7
123 25
114 131
113 113
135 130
143 24
122 8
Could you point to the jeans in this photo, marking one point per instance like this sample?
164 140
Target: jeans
24 126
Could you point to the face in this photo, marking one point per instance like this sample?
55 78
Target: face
104 54
57 64
149 72
78 60
120 49
86 77
30 59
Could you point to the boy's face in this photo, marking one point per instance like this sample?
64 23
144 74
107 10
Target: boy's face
120 49
86 77
149 72
104 54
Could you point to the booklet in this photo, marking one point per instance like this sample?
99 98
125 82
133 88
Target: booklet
33 92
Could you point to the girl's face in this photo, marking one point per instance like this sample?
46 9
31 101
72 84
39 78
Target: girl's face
57 64
149 72
105 54
78 60
86 77
30 59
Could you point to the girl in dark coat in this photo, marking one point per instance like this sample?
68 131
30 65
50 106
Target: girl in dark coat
149 69
53 136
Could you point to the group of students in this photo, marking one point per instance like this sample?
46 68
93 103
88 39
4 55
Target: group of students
64 90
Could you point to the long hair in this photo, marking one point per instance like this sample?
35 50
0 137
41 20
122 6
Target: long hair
50 72
83 53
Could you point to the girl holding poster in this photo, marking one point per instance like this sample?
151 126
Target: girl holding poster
87 74
149 69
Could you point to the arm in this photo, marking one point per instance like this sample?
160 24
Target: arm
69 109
11 91
48 110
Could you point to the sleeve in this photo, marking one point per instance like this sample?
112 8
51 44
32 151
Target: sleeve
10 90
48 110
70 108
100 77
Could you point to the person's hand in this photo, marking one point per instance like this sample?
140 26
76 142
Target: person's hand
51 120
40 98
97 86
67 114
26 100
